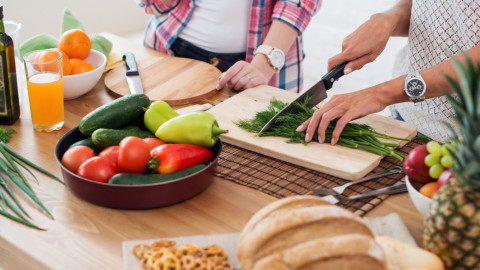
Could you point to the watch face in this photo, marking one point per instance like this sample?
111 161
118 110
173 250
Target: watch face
415 87
277 58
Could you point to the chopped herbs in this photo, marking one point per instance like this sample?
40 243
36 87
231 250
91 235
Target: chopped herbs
354 135
5 134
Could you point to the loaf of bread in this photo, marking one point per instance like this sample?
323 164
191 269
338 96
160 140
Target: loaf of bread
342 252
305 232
401 256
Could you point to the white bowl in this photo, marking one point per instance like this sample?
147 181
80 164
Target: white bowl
421 202
77 85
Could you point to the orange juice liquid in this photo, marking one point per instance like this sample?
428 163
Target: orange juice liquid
45 93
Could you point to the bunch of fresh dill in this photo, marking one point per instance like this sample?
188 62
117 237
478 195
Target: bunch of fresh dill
359 136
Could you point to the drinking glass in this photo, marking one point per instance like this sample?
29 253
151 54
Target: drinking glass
44 74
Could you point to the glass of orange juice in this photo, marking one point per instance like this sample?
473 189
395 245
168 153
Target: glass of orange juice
45 88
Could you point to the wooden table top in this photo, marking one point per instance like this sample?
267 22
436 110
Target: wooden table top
86 236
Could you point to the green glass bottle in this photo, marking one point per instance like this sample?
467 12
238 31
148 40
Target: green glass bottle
9 104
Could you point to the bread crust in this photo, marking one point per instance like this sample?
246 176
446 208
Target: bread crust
293 202
291 222
352 251
401 256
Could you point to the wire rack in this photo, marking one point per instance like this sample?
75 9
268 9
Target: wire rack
281 179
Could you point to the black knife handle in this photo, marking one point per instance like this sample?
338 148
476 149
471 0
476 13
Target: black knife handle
129 59
334 75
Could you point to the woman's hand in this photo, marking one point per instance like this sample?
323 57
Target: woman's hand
345 107
365 44
240 76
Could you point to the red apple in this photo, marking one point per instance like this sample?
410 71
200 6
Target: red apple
444 178
414 165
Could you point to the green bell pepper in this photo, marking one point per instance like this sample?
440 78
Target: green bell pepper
199 128
156 114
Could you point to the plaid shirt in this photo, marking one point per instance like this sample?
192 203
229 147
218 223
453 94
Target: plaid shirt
170 17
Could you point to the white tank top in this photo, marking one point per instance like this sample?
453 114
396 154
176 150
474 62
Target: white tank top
219 26
436 28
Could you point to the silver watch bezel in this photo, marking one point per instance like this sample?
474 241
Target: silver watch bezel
415 76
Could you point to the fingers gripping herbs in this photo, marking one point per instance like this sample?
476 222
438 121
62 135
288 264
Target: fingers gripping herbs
354 135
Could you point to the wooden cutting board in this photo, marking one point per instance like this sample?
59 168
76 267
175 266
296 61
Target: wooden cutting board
174 80
339 161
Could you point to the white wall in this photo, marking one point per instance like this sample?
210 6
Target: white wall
120 17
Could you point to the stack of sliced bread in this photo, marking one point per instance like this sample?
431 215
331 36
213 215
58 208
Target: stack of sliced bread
305 232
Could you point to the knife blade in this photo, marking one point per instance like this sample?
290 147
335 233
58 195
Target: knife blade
318 92
133 77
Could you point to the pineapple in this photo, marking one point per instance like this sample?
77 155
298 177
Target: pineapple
452 226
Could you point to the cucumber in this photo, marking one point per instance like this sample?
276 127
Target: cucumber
144 179
88 142
131 127
115 114
105 137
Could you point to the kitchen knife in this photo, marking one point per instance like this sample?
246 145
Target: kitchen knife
133 77
318 92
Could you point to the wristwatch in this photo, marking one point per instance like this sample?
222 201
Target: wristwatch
275 57
415 87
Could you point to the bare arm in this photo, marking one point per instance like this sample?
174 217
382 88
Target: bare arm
366 43
374 99
401 14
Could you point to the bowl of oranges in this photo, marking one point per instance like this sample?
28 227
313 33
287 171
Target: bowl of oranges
82 66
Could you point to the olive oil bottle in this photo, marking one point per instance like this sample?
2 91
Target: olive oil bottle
9 104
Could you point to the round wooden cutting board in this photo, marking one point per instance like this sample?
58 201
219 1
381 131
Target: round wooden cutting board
174 80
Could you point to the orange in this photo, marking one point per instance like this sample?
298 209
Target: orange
79 66
46 56
75 43
429 189
66 63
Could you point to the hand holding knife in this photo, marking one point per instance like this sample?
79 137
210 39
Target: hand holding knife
318 92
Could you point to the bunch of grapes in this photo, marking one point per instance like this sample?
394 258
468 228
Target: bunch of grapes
439 157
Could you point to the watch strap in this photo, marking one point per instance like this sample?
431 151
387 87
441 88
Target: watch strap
417 99
264 49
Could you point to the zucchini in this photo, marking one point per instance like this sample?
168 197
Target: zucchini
105 137
88 142
115 114
144 179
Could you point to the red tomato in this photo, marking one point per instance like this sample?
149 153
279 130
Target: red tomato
111 153
75 156
133 155
98 169
153 142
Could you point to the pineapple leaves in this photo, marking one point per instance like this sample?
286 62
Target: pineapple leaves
476 148
465 101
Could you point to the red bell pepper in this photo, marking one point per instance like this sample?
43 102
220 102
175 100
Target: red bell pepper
169 158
